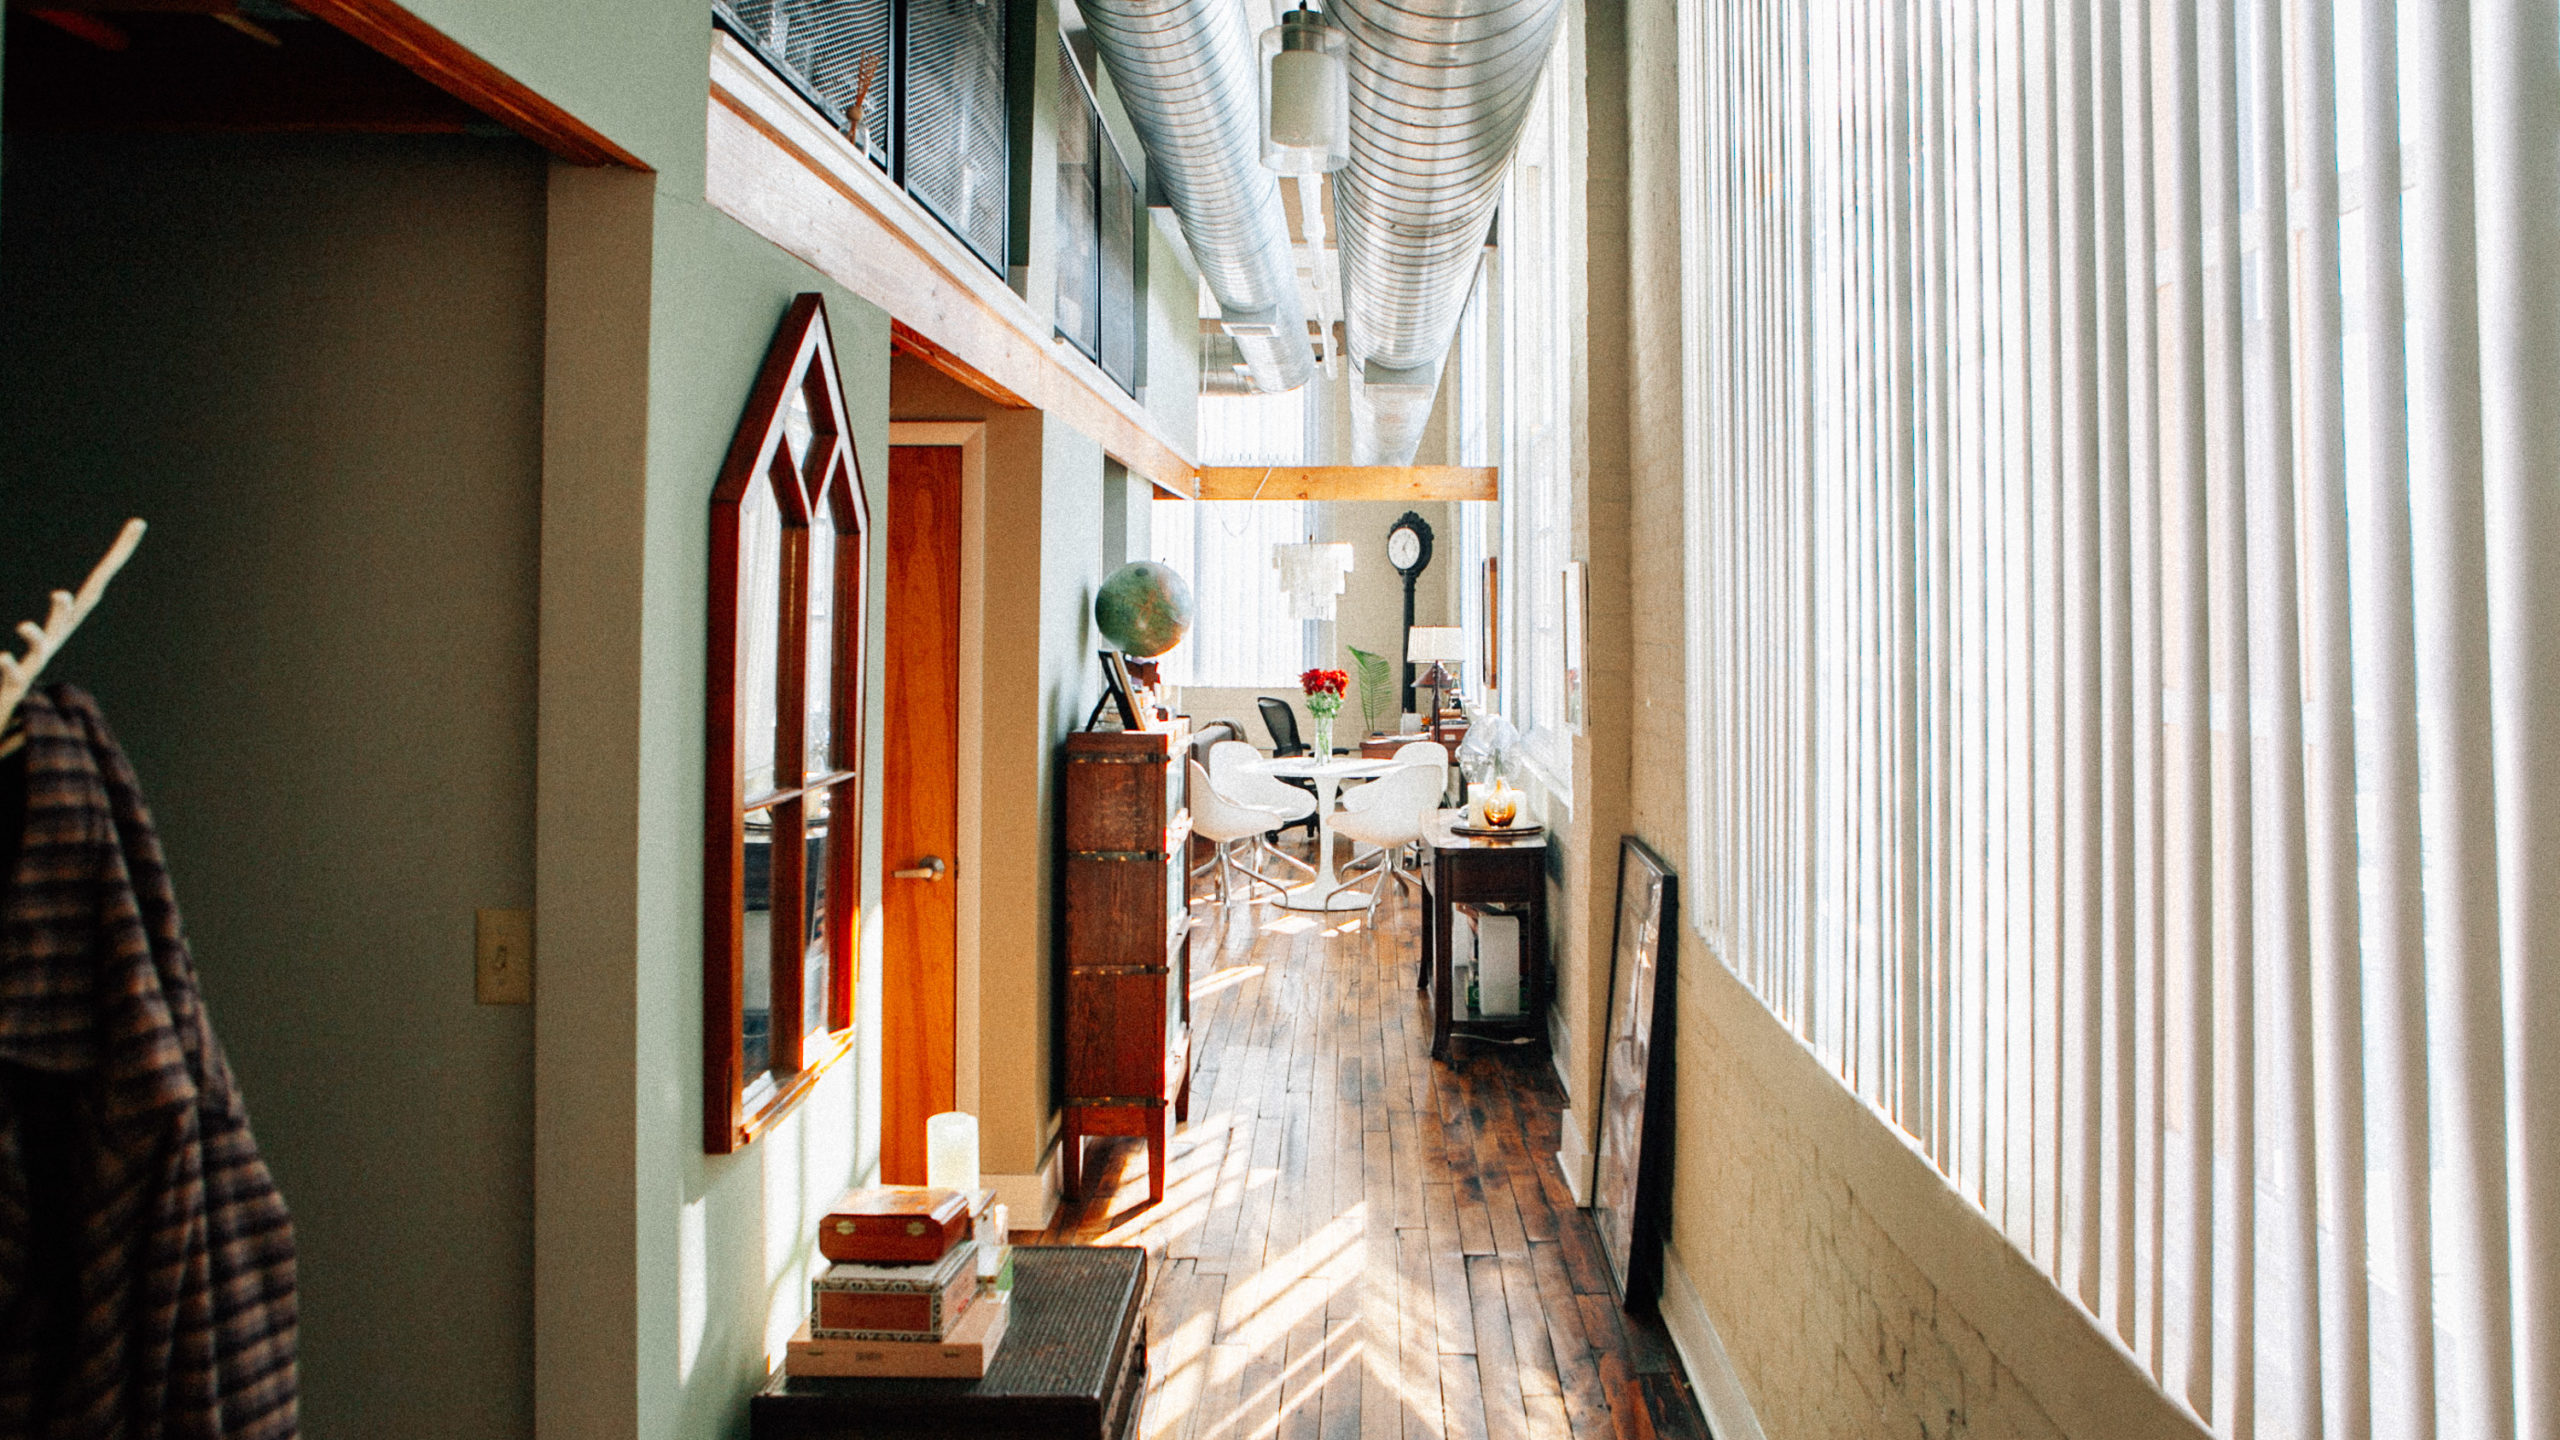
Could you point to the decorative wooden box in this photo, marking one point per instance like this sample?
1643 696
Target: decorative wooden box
1126 952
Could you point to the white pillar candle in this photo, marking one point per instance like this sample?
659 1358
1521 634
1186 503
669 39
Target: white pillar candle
951 1152
1475 804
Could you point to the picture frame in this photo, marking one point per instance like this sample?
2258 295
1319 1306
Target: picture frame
1631 1165
1576 622
1119 693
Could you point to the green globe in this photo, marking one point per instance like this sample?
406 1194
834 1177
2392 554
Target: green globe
1144 608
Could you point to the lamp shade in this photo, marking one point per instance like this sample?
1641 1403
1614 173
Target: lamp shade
1306 95
1424 644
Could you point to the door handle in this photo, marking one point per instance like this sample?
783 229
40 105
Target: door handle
930 868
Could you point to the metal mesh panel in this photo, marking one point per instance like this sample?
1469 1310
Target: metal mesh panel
819 46
1119 197
952 155
1079 182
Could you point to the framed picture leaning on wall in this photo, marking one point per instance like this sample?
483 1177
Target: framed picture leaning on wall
1629 1192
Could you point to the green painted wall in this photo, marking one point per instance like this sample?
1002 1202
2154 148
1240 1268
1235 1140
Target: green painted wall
727 1244
314 365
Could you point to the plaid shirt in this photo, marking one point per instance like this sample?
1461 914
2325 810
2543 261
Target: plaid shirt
146 1262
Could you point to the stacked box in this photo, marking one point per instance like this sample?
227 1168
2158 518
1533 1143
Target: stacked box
895 1302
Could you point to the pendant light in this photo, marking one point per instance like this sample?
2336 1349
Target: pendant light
1306 95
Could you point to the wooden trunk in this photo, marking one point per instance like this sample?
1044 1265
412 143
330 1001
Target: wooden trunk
1125 956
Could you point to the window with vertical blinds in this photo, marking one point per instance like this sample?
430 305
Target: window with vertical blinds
1538 320
2124 651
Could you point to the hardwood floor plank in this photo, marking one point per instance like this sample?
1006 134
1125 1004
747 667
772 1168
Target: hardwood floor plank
1497 1367
1461 1401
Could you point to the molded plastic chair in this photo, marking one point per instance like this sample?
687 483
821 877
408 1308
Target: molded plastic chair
1231 769
1399 804
1220 820
1420 752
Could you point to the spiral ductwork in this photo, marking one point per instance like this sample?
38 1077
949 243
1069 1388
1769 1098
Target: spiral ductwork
1185 70
1439 89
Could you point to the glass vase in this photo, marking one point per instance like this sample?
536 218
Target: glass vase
1324 736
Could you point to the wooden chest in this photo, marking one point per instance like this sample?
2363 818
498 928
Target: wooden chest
1073 1366
1125 979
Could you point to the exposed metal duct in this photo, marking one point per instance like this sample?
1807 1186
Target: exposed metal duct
1439 89
1185 70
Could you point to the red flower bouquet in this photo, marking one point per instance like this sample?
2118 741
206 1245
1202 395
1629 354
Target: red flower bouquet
1324 701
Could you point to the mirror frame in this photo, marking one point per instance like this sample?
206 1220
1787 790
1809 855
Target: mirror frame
800 361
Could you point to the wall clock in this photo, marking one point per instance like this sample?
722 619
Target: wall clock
1409 550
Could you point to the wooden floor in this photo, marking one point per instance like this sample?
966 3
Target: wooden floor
1355 1241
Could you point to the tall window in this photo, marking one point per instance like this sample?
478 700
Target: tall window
1242 633
2121 528
1539 335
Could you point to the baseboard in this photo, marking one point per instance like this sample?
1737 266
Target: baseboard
1574 1153
1030 1201
1573 1156
1711 1373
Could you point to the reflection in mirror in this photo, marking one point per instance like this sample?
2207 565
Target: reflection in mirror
797 428
755 1015
813 955
820 746
760 597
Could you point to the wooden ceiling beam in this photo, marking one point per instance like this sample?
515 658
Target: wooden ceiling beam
1410 483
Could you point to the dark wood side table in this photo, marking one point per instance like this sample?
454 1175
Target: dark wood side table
1073 1366
1464 870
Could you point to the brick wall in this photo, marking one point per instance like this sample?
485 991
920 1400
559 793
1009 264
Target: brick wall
1835 1333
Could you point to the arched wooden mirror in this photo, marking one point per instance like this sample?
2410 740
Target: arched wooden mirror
782 883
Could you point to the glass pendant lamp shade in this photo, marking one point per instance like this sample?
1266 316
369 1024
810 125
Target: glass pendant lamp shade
1306 95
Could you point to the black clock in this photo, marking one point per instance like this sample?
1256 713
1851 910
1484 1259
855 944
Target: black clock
1409 550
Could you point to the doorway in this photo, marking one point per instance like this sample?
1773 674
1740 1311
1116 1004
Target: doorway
920 808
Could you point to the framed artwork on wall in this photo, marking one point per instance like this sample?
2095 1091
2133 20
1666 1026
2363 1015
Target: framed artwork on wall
782 815
1629 1190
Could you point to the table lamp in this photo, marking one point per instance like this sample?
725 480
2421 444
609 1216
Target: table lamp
1442 647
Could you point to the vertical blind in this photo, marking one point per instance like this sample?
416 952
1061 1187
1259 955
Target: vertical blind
2124 650
1242 634
1539 317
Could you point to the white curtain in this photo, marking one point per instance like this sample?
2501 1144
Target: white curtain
1242 632
2124 643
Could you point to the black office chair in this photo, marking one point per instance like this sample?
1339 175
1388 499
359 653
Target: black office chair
1282 722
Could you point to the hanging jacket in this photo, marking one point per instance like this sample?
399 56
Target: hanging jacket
146 1261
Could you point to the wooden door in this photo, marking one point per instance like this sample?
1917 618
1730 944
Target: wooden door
920 807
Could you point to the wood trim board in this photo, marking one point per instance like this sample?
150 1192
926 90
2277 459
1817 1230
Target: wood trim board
430 53
1409 483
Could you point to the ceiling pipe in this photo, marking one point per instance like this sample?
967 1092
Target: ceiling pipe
1439 89
1185 71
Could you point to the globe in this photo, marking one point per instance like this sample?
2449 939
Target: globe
1144 608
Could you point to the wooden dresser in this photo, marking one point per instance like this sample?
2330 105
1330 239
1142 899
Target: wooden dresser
1125 960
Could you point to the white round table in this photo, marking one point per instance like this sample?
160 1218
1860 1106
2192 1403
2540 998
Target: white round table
1328 773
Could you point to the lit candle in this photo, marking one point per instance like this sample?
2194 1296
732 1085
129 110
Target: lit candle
951 1152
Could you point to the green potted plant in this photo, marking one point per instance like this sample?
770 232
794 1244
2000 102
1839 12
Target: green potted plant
1377 688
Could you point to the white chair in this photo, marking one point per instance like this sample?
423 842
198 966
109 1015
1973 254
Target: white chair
1420 752
1231 769
1397 805
1223 822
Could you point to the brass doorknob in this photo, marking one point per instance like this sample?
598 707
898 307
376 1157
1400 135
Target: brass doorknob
929 868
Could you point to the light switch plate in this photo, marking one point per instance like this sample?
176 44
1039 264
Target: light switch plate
505 967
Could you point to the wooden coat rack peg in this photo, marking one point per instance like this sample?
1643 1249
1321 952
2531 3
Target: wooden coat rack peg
18 672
